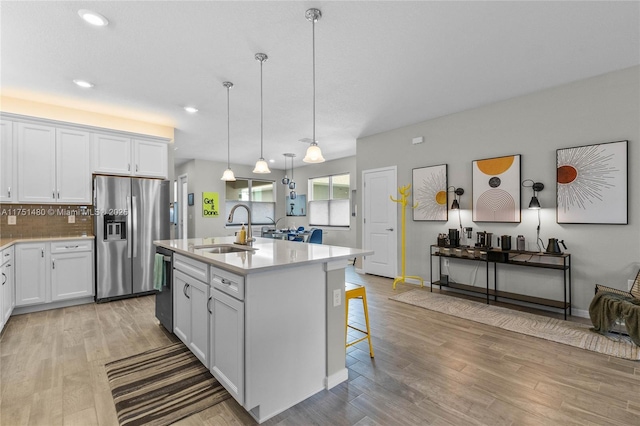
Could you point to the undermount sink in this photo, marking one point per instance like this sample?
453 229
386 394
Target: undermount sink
224 248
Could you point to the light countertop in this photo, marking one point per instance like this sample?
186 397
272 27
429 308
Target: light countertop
8 242
268 254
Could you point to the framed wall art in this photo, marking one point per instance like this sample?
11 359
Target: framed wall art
430 193
496 189
592 184
297 206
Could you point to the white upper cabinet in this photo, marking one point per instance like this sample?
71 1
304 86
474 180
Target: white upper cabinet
53 165
73 166
36 163
111 154
150 158
7 161
130 157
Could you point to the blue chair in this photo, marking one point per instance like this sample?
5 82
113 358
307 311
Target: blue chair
315 237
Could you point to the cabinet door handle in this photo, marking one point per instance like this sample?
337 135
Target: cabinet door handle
225 281
136 167
53 264
71 247
184 290
9 192
53 194
208 305
129 167
42 253
6 255
389 229
58 194
4 276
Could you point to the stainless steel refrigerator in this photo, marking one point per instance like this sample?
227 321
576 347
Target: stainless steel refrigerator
130 213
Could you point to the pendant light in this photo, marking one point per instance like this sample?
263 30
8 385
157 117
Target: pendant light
228 174
261 165
314 155
285 179
292 184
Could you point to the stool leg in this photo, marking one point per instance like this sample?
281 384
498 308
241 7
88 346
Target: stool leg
366 318
346 320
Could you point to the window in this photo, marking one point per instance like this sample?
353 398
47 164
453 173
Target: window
257 194
329 201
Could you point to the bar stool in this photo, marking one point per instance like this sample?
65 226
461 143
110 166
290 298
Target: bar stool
357 292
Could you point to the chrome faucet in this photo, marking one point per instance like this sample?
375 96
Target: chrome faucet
250 239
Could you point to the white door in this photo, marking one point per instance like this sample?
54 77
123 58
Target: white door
150 158
181 307
36 163
73 171
111 154
31 273
7 154
182 206
71 275
380 222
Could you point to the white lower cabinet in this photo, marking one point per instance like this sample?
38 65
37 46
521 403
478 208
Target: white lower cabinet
7 295
32 274
53 272
190 300
226 350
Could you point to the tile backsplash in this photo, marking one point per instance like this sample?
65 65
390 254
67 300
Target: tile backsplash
45 220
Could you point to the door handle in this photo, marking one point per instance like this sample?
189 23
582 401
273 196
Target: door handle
53 194
208 303
136 168
129 229
225 281
134 213
53 264
42 253
9 192
5 279
184 290
389 229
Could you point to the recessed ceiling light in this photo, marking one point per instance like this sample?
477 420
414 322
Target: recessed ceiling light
191 109
83 83
93 18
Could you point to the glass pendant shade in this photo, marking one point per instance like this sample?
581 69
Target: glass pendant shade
261 167
285 180
293 195
292 185
314 155
228 176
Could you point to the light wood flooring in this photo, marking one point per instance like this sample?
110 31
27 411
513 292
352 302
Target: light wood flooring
429 368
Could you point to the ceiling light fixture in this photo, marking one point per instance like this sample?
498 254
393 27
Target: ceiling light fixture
228 174
83 83
261 165
93 18
285 179
190 109
314 155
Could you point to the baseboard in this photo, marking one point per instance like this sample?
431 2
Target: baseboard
582 313
19 310
337 378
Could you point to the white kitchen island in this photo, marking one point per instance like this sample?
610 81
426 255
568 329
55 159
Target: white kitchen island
276 316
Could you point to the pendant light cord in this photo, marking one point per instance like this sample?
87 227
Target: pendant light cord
313 38
261 111
228 133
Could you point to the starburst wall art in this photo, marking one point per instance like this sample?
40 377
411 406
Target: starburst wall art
592 184
430 193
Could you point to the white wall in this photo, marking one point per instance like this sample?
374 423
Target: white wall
601 109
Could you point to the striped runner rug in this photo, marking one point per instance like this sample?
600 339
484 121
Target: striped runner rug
566 332
161 386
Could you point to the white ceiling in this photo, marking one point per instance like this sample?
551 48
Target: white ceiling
379 65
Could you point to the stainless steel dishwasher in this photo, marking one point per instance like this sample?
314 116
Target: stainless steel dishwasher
164 298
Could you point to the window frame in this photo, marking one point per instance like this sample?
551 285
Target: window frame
250 202
329 201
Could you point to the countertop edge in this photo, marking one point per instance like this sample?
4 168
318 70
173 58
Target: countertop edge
11 241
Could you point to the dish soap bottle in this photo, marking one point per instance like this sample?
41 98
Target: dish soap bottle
241 236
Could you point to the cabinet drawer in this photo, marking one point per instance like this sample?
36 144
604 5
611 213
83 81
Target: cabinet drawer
6 255
228 282
71 246
191 267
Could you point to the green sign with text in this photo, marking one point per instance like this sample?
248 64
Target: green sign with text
210 207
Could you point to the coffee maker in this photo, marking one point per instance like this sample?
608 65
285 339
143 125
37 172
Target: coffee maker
454 238
483 239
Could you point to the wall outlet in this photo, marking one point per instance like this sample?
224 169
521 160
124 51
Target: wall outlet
11 220
337 297
630 284
71 218
446 263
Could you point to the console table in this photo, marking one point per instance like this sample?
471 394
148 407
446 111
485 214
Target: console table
560 262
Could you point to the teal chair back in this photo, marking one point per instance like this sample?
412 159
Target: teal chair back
316 236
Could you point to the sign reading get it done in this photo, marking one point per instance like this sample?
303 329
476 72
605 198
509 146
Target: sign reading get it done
210 204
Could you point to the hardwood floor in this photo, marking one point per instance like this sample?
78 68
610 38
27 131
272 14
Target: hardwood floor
429 368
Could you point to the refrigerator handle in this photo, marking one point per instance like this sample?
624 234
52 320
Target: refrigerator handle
134 204
129 226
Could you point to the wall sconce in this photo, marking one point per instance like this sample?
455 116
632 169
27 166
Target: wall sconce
458 192
534 204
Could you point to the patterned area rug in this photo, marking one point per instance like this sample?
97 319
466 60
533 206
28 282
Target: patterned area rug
162 386
567 332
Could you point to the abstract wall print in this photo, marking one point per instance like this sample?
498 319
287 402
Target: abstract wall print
430 193
592 183
496 189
